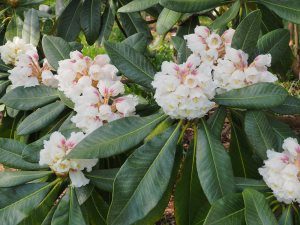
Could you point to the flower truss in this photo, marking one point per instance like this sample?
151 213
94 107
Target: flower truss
281 171
95 89
186 90
54 152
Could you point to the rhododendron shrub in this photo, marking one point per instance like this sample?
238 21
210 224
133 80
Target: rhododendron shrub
108 138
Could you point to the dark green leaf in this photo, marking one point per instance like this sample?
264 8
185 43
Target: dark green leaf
107 21
183 52
216 121
243 183
137 5
137 41
103 179
290 106
287 216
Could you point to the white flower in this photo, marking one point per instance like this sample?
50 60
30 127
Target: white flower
227 36
56 148
126 105
214 41
281 170
11 51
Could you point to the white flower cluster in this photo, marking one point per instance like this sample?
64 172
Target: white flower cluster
95 89
184 91
281 172
53 155
27 71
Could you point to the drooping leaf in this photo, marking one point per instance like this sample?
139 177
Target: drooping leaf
137 41
270 20
31 27
10 178
216 121
247 33
68 25
150 168
228 210
40 118
244 183
68 211
188 211
213 165
290 106
183 52
131 63
103 179
188 26
29 98
287 9
107 21
11 155
137 5
286 217
256 96
227 16
90 20
14 28
257 210
18 202
259 133
55 49
166 20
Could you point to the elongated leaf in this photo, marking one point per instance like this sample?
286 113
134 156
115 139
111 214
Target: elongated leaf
243 183
29 98
55 49
103 179
187 210
31 27
150 168
257 96
270 20
288 9
15 207
90 20
68 211
188 26
68 26
14 28
40 118
107 21
191 5
9 178
275 43
213 165
166 20
4 67
3 86
183 52
83 193
216 121
231 214
227 16
290 106
286 217
259 133
11 155
115 137
48 218
133 64
137 5
137 41
160 128
257 210
247 33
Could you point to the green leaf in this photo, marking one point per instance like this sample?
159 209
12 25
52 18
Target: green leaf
137 5
286 217
290 106
68 211
160 128
29 98
68 102
137 41
4 67
257 210
115 137
90 20
247 32
31 27
107 21
228 210
213 165
275 43
227 16
188 26
55 49
10 178
3 85
150 168
17 203
270 21
287 9
11 155
259 133
103 179
183 52
68 25
166 20
188 188
216 121
40 118
14 28
48 218
243 183
256 96
131 63
83 193
191 5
